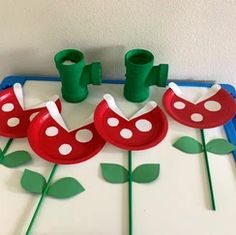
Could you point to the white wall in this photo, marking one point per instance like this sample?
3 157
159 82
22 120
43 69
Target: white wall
197 38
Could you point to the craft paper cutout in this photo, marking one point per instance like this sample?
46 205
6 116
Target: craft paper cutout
220 146
65 188
144 130
114 173
33 182
146 173
214 109
16 159
188 144
15 119
51 140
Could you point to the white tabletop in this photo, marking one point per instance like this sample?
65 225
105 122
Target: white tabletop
177 203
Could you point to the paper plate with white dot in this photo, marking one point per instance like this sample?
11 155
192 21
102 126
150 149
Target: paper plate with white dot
15 118
213 109
145 129
50 138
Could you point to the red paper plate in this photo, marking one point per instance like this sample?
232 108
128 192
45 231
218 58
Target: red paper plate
212 110
15 118
144 130
50 139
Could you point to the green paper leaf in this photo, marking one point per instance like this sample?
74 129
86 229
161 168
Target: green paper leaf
114 173
146 173
65 188
33 181
220 146
188 144
15 159
0 154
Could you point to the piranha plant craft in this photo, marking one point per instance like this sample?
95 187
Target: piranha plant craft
212 110
15 119
143 130
51 140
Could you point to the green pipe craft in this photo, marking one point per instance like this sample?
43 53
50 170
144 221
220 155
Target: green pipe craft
75 75
141 74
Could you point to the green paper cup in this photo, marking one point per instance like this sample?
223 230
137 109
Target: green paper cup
75 75
140 74
138 64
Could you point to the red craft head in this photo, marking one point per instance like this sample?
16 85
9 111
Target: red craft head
50 139
15 118
214 109
144 130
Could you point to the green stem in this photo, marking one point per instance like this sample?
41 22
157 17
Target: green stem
41 199
208 171
130 193
6 147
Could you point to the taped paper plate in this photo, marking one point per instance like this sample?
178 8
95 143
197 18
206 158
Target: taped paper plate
213 109
15 118
143 130
50 138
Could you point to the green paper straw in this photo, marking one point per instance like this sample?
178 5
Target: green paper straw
130 193
213 206
41 199
6 147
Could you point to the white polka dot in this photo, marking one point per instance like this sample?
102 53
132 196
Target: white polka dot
8 107
12 122
196 117
65 149
143 125
112 121
51 131
33 115
84 135
179 105
126 133
212 105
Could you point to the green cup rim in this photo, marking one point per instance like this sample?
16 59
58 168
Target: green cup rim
68 54
149 57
